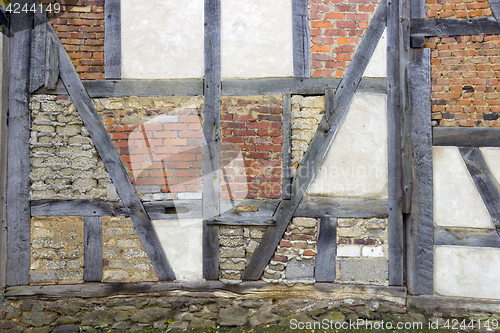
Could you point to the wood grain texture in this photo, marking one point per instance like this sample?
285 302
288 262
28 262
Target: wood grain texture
52 63
395 144
211 132
301 49
38 39
455 27
417 9
18 164
112 162
420 228
342 207
466 237
324 270
243 221
484 181
318 146
466 137
92 254
112 40
286 177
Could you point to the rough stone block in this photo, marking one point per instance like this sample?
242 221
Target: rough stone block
369 271
300 269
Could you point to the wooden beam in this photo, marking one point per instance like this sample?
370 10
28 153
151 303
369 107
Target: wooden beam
52 63
455 27
214 289
466 137
18 164
342 207
466 237
38 38
286 176
495 9
417 9
78 208
92 254
324 270
484 181
318 146
301 51
177 209
242 221
112 40
395 144
113 164
124 88
420 225
211 132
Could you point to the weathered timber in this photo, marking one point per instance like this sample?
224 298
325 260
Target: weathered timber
245 290
301 52
286 177
342 207
112 40
123 88
417 9
78 208
329 102
420 229
211 132
395 145
52 63
495 8
417 41
318 146
177 209
92 254
38 38
18 164
324 269
484 181
454 27
113 164
466 237
242 221
466 137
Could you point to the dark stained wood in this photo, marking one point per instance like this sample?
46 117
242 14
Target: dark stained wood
466 136
92 254
420 225
287 147
52 63
78 208
466 237
38 37
395 144
301 52
318 146
417 41
324 270
329 102
211 132
112 40
113 165
246 221
123 88
246 290
177 209
18 164
484 181
342 207
495 8
455 27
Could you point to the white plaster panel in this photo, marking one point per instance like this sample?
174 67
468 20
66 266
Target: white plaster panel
162 39
457 202
467 271
256 38
356 162
492 158
182 242
377 67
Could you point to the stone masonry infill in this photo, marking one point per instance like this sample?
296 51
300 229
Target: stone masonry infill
56 250
362 251
64 162
306 115
181 313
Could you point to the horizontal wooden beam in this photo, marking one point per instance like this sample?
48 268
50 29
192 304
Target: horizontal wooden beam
466 136
245 290
342 207
466 237
177 209
247 221
454 27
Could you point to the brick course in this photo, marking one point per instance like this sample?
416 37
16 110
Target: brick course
457 8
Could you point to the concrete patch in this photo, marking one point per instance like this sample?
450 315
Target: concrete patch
377 67
300 269
370 271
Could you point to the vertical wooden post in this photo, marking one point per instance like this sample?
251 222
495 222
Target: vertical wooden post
18 164
211 132
92 255
420 229
301 51
324 270
287 147
112 40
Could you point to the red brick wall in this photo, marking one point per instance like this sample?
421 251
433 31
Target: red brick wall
457 8
337 27
465 80
80 26
252 125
